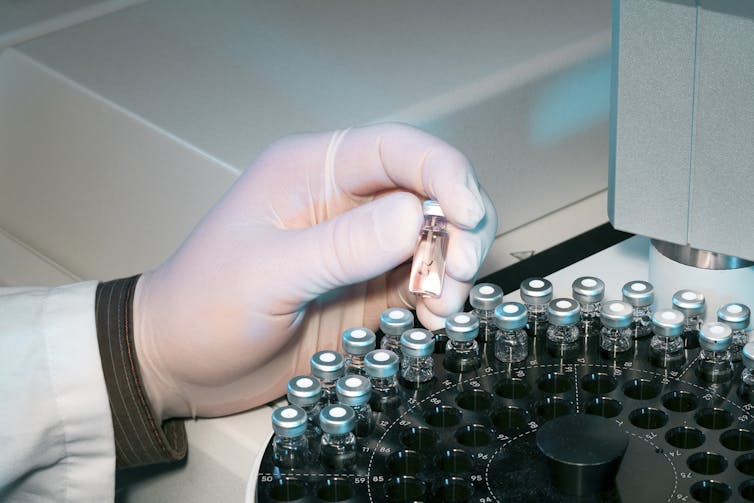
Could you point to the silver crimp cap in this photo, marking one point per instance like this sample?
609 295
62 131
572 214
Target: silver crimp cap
588 289
689 302
396 320
327 365
639 293
381 363
304 390
616 314
417 342
353 389
536 291
563 312
359 341
735 315
511 316
485 296
715 336
337 419
747 355
289 421
462 327
668 322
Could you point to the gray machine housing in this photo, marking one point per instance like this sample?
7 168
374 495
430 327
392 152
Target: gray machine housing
682 123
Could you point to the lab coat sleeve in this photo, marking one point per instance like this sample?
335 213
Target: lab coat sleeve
56 433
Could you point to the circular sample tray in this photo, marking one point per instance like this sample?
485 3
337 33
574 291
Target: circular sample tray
471 437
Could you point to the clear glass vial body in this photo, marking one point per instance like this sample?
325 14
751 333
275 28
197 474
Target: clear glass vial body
590 318
417 369
290 452
486 324
747 376
338 450
666 345
383 367
511 345
738 341
537 318
563 334
640 295
616 340
364 419
428 265
385 385
715 366
357 342
641 326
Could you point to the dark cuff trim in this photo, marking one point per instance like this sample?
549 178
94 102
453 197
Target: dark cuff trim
139 440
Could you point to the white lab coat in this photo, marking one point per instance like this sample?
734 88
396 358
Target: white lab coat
56 433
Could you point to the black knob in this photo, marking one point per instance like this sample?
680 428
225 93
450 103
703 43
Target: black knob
584 453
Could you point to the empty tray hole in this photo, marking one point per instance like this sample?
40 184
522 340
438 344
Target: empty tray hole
745 464
443 416
598 383
641 389
474 399
603 406
510 417
684 437
738 440
714 419
680 401
710 491
552 407
554 383
455 461
453 490
473 435
512 388
747 490
648 418
419 439
335 490
707 463
287 490
405 463
405 489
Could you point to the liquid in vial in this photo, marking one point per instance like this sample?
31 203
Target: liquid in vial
428 266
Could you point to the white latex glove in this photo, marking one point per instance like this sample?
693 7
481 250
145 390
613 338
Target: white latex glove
311 239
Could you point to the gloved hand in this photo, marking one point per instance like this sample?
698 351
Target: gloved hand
310 240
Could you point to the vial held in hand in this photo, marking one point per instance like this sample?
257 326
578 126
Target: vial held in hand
428 267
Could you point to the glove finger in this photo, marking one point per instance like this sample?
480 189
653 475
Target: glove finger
467 249
356 245
388 156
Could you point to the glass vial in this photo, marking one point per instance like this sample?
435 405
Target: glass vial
462 350
484 298
536 294
338 445
746 390
714 359
511 342
428 266
382 368
357 342
616 336
355 391
641 296
327 366
393 322
736 316
290 448
691 303
666 345
306 392
563 316
417 367
589 291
